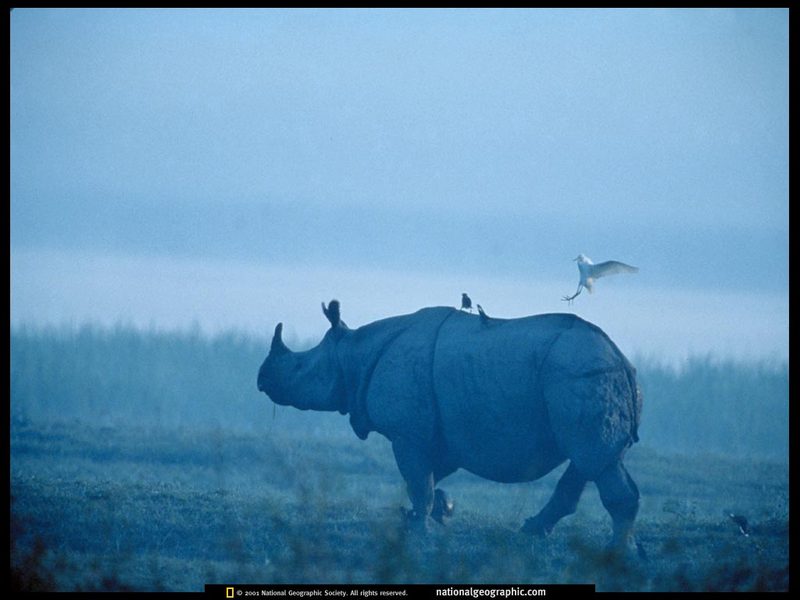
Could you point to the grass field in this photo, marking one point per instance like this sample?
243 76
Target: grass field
105 509
148 462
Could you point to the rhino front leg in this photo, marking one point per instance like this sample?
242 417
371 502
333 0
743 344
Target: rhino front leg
416 468
563 502
443 505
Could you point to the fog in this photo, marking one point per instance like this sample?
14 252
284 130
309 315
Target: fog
235 168
219 295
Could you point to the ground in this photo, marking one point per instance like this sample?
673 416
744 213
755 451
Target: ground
103 508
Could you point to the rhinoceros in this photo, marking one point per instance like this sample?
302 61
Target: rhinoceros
506 399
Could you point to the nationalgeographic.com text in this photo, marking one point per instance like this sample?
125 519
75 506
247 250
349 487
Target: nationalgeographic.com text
512 592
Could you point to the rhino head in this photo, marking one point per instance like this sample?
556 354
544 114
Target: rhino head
310 380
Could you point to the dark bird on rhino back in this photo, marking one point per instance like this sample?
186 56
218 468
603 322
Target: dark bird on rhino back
482 314
508 402
466 302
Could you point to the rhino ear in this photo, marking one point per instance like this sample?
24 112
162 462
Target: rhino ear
277 341
332 313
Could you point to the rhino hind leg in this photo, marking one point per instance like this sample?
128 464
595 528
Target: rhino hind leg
620 496
563 502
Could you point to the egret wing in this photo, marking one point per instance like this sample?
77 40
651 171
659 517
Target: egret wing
610 267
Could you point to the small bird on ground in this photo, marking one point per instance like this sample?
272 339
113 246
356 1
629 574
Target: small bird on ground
590 271
466 303
741 521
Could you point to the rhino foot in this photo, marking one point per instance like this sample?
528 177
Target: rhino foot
443 506
536 526
415 522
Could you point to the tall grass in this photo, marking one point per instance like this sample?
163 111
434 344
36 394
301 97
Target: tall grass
142 378
122 376
711 405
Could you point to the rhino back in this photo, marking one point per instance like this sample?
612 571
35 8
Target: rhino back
493 418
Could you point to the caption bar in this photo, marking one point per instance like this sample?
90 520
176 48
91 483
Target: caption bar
380 592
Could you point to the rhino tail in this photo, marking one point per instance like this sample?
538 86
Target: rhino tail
636 403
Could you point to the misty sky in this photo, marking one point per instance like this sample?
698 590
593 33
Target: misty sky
235 167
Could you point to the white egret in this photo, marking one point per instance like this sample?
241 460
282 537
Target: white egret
590 271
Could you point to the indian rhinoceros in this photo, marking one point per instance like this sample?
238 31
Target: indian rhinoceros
506 399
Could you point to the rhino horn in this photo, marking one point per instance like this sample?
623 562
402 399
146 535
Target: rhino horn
332 312
277 341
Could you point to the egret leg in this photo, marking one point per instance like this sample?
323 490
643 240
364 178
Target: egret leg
575 295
